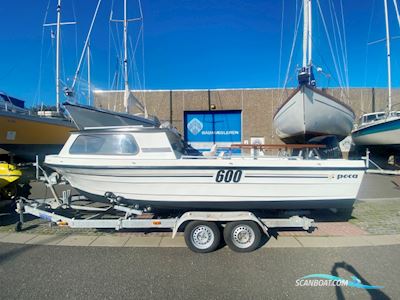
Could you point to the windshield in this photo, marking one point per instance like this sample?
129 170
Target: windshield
104 144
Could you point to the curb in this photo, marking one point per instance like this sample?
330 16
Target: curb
168 242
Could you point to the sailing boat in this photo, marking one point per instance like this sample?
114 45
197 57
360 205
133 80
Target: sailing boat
380 129
309 112
89 116
25 134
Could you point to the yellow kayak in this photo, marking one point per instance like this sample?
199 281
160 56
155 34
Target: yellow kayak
8 174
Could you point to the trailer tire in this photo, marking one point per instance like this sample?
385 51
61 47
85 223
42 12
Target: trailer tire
202 237
18 227
242 236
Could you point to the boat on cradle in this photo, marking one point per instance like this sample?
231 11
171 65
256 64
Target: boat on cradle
148 167
380 130
26 134
310 112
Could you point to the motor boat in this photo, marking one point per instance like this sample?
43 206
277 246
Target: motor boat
149 167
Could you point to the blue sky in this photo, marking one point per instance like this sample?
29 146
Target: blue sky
188 44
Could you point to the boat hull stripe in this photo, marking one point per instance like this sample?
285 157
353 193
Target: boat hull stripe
207 168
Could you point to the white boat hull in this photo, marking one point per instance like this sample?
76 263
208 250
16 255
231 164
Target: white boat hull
309 113
190 184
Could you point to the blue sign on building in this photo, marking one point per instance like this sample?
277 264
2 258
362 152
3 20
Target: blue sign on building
205 128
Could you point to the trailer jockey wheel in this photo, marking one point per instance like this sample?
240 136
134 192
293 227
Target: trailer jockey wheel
202 237
242 236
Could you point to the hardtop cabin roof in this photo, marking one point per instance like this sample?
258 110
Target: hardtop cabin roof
107 129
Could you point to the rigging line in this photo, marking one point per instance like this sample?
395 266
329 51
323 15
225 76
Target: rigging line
38 91
281 44
345 45
109 45
118 57
134 67
338 45
336 49
76 31
329 43
335 43
291 53
117 54
368 37
85 46
341 44
335 22
318 52
133 53
397 11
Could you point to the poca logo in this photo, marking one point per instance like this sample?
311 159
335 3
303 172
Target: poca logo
195 126
317 280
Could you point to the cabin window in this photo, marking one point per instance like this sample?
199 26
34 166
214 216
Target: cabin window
104 144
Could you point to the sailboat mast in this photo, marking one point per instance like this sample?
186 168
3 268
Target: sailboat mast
309 36
58 55
126 57
88 72
388 58
305 31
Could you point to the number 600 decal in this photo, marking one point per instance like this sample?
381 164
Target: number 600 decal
228 176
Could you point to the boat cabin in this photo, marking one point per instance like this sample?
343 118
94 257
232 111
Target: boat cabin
377 116
119 142
141 142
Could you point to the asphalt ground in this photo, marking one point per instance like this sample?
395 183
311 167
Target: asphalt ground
53 272
379 187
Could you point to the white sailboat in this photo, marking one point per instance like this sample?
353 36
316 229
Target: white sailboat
90 116
309 112
380 129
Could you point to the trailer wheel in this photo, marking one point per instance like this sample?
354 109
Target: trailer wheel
202 237
242 236
18 227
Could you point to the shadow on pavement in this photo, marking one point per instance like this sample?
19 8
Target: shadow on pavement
15 251
374 293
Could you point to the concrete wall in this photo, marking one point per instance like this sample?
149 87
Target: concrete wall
258 105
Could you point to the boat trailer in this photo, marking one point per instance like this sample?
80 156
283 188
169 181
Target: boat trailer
242 230
203 230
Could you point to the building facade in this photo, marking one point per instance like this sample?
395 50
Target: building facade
256 108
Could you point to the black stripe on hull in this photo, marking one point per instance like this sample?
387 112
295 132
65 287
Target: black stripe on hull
232 205
216 168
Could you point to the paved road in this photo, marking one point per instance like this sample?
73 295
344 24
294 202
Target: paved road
375 186
53 272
